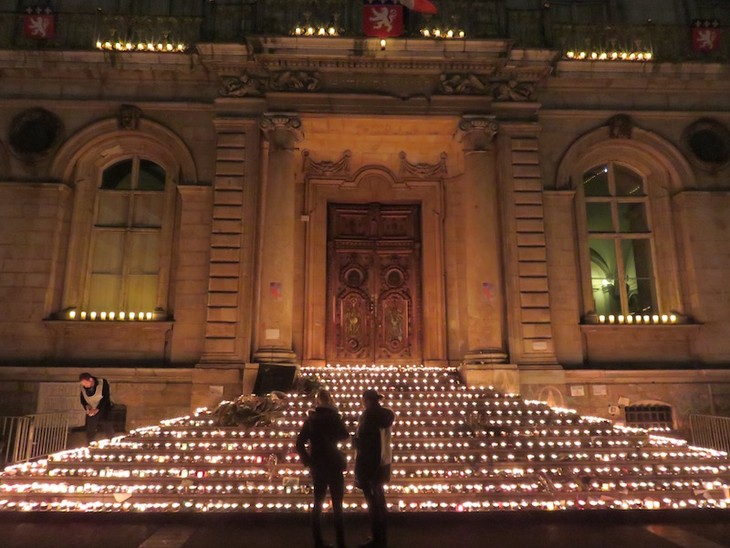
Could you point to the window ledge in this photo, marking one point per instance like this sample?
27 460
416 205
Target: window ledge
609 327
149 325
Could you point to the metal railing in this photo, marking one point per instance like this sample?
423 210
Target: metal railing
32 436
710 431
589 31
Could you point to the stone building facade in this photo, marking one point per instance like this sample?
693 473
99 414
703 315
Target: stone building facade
293 200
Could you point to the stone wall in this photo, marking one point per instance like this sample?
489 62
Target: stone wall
150 395
590 392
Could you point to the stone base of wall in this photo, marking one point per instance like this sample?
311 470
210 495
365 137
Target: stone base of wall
152 395
591 392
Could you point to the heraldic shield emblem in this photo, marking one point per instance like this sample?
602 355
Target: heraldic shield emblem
382 20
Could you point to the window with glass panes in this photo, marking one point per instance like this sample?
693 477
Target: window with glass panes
124 272
619 240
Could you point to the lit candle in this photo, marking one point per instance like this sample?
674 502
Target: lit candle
72 314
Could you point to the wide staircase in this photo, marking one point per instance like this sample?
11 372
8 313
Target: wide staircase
455 448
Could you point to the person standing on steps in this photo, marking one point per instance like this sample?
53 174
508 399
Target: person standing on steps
96 400
372 463
322 430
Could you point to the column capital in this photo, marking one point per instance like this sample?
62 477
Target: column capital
476 131
282 129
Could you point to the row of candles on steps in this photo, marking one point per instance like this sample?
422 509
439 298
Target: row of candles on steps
430 457
530 485
558 469
193 427
630 503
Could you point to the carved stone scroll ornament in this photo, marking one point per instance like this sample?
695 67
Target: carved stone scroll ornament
326 168
512 90
422 170
477 131
246 85
294 81
462 84
128 117
252 85
486 124
282 129
620 126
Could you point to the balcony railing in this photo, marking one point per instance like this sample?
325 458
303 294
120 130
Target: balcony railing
479 19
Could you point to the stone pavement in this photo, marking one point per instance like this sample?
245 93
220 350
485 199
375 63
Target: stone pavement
690 529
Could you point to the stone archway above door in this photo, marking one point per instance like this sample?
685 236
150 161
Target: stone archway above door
375 184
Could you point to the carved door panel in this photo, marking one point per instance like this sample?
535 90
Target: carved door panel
373 284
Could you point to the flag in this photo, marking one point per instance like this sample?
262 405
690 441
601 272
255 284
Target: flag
39 23
421 6
382 20
705 35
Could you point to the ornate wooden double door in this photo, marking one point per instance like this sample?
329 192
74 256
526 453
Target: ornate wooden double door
373 283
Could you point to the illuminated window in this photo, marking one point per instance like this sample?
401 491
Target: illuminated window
126 237
619 240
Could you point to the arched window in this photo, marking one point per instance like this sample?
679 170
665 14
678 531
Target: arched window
126 238
619 240
120 238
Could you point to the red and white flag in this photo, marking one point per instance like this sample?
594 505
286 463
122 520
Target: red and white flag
421 6
382 20
39 23
705 35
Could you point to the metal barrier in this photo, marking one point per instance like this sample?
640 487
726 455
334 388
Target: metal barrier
32 436
710 431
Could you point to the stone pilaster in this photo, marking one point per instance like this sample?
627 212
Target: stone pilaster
484 286
276 283
226 339
530 322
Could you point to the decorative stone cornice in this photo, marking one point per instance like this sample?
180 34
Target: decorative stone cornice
326 168
410 170
477 131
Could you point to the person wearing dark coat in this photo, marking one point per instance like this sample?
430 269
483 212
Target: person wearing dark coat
96 400
372 463
321 432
